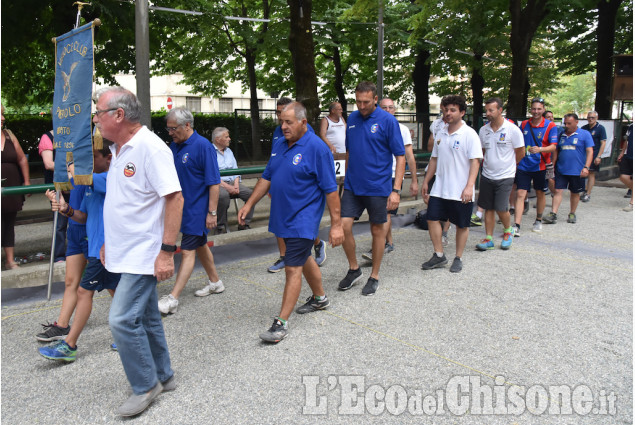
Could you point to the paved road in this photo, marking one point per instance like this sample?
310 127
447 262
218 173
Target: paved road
556 310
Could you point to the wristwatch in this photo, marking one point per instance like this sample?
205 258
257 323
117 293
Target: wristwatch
211 212
397 191
168 248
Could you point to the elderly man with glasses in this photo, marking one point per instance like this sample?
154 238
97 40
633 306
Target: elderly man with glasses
598 133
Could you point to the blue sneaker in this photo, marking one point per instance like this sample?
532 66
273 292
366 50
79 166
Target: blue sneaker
485 244
508 237
320 253
59 351
113 347
277 266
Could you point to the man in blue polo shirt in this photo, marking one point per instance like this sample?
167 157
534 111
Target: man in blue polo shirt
301 178
372 138
196 166
319 246
572 161
541 136
598 133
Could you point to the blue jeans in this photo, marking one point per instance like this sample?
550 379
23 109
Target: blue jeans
136 326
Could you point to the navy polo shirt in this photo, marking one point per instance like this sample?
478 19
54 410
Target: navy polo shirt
598 133
196 166
277 133
371 142
629 149
300 176
572 152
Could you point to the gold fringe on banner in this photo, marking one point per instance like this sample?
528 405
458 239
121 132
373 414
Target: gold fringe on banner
63 186
85 180
98 140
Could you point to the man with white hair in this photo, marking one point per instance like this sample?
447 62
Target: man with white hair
231 187
142 216
198 173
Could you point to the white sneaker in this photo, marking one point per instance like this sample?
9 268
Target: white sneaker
537 226
444 241
210 288
168 304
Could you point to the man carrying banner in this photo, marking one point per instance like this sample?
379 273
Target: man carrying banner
142 217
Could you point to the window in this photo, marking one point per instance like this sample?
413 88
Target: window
193 104
226 105
260 107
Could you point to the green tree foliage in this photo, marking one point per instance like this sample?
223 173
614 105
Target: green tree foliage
575 93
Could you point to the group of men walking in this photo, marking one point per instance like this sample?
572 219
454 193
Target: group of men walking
154 191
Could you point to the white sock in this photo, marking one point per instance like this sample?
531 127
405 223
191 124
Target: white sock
439 254
479 214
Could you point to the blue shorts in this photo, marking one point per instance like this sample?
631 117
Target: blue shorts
524 178
191 242
76 241
353 206
298 251
97 278
573 183
457 212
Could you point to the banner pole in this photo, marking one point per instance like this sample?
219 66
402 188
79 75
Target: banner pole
52 259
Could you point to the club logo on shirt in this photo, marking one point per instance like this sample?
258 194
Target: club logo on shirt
297 159
439 142
539 135
185 157
501 138
593 132
456 144
575 141
373 128
129 170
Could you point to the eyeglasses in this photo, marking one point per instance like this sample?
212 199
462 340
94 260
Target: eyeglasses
388 107
591 117
538 99
97 111
171 129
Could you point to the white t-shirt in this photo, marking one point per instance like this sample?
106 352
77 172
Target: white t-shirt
138 179
407 140
436 126
499 158
454 152
336 134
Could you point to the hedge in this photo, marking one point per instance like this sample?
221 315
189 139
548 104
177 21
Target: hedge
29 128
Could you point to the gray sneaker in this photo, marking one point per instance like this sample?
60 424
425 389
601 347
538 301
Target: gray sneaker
312 305
537 226
138 403
276 333
434 262
551 218
457 265
516 230
368 255
169 384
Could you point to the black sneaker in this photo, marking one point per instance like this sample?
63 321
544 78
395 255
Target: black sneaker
457 265
276 332
313 305
371 286
52 332
628 194
434 262
350 279
245 227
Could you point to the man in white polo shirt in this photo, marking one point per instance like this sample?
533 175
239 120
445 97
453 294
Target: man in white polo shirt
455 160
142 217
503 148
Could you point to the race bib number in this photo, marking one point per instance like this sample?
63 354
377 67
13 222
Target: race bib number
340 168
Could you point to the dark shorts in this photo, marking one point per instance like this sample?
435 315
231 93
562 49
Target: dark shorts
524 178
626 166
594 168
191 242
494 194
298 251
354 206
575 184
97 278
457 212
76 241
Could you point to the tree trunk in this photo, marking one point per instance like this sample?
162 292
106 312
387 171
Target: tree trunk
421 80
256 146
339 81
477 83
303 55
605 35
525 22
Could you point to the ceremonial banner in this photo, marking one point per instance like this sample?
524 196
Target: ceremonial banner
72 105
